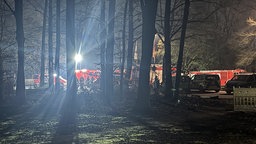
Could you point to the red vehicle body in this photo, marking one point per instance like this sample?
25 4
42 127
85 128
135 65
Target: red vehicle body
225 75
81 75
36 78
63 81
87 74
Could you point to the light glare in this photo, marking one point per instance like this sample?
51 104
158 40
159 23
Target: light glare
78 58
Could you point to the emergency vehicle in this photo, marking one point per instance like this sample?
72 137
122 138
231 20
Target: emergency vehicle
87 74
225 75
36 80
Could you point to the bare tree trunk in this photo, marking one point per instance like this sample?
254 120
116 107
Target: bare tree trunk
171 27
50 51
20 90
70 49
149 8
110 51
1 56
130 42
167 45
57 54
123 50
1 76
42 67
103 50
182 41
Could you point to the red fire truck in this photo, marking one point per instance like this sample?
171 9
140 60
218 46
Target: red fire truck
225 75
87 74
90 74
36 79
88 79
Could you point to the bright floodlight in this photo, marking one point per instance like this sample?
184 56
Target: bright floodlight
78 58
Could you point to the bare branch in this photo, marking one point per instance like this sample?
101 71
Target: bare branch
11 9
6 47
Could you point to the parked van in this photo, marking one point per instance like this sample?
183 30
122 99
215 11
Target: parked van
205 82
243 80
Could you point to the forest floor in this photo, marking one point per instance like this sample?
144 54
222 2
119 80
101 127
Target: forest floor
193 120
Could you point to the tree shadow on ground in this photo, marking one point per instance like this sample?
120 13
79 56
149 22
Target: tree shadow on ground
66 127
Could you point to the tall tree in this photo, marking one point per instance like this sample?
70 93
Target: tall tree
6 53
167 46
50 45
57 54
1 76
110 50
42 67
20 90
123 49
70 49
1 52
130 41
103 49
149 8
182 41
